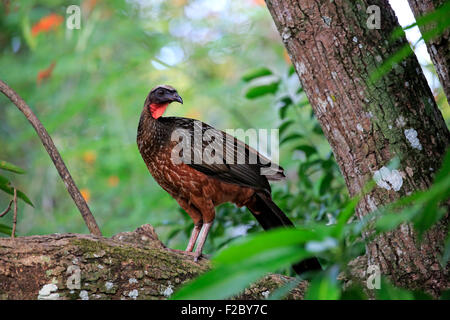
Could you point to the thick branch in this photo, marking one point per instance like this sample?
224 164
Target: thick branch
55 156
130 265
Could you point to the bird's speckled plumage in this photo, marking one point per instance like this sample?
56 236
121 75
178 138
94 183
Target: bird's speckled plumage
196 192
200 187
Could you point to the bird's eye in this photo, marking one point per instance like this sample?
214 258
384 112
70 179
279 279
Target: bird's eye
160 92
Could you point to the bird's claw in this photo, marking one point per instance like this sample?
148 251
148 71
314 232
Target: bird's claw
196 255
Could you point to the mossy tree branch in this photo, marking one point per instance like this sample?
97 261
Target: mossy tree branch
130 265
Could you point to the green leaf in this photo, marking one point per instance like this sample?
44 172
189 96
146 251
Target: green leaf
303 103
284 126
262 90
390 221
344 216
6 186
428 216
5 229
284 290
291 70
284 104
445 295
10 167
388 292
355 292
436 23
174 232
285 101
304 177
420 295
244 262
224 281
324 183
4 181
436 20
324 286
308 150
27 35
355 250
282 111
444 170
389 64
318 129
264 241
256 73
292 136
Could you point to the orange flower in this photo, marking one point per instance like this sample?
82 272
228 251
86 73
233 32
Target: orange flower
89 157
86 194
51 21
113 181
46 73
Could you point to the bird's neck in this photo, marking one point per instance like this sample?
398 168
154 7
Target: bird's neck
157 109
152 133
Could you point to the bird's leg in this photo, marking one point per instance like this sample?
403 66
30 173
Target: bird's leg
196 216
194 236
201 242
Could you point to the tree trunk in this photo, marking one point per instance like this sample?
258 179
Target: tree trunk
334 53
438 47
130 265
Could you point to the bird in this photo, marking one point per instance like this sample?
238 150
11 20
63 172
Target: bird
199 184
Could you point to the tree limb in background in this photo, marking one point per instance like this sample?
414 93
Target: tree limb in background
435 12
7 209
55 156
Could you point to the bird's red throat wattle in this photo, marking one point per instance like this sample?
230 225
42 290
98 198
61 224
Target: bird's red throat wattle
157 109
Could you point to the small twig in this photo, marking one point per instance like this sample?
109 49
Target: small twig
15 215
7 209
55 156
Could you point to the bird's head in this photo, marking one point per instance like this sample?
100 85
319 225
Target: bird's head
159 98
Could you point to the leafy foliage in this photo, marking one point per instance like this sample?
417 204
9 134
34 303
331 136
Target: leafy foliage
6 186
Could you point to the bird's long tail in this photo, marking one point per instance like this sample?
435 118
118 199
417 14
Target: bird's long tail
270 216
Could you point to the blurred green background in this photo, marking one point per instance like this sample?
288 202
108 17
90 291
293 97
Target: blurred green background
88 87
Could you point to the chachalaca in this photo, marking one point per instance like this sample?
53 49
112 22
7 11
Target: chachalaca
199 186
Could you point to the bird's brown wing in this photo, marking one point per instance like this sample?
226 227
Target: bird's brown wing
222 156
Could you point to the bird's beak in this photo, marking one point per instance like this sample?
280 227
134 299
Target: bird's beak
176 97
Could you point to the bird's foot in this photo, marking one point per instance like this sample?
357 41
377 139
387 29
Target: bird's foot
182 251
197 256
200 256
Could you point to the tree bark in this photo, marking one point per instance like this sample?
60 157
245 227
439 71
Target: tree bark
367 125
438 47
130 265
